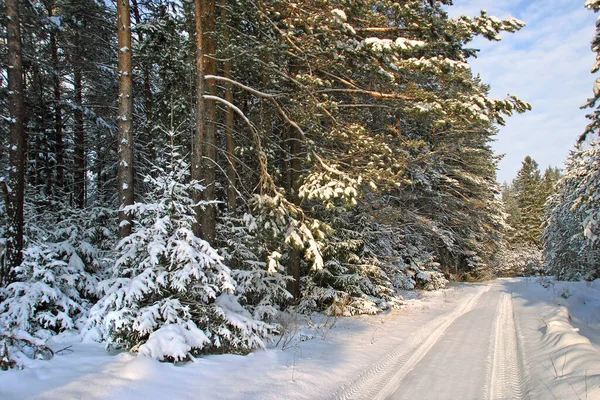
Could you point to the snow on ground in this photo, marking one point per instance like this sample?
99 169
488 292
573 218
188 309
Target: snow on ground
512 338
559 329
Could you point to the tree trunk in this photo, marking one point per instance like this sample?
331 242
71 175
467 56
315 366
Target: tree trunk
229 118
100 172
295 257
34 173
209 217
285 161
200 129
14 192
125 154
58 124
147 85
199 144
79 177
46 142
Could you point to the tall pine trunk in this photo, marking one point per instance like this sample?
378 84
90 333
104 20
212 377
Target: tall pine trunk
295 257
79 178
45 142
125 153
59 163
147 83
209 217
14 192
229 118
200 128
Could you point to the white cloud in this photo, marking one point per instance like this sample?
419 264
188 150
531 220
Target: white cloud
548 64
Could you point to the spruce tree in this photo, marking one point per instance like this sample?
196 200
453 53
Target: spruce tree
530 201
570 235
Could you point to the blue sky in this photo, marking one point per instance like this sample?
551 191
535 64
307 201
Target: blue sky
546 63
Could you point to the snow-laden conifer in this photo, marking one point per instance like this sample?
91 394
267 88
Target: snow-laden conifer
57 282
570 237
254 256
170 293
572 220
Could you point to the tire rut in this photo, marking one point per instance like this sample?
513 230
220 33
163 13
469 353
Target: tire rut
382 378
506 378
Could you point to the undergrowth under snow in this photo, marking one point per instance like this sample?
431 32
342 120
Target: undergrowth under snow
558 322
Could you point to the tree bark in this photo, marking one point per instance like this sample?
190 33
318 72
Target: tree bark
295 257
45 142
58 124
147 83
229 118
200 129
16 178
209 217
125 153
79 178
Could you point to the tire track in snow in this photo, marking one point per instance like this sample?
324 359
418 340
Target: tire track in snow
507 375
383 378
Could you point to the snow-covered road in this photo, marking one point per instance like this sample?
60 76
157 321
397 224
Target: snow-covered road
509 339
479 351
471 353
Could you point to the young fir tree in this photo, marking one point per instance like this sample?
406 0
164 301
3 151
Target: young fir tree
170 294
63 262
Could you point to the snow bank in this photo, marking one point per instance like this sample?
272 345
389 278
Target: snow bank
560 330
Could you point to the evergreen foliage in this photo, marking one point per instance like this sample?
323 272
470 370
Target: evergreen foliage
571 245
570 230
170 293
524 201
57 283
349 140
527 187
518 259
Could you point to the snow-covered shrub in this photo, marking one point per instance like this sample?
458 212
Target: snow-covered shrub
260 246
431 280
518 260
366 263
353 279
416 267
56 284
18 347
257 270
51 292
170 292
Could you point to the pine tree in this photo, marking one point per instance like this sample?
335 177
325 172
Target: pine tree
549 180
125 140
14 189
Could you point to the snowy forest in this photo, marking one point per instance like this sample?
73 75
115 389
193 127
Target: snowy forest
175 174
